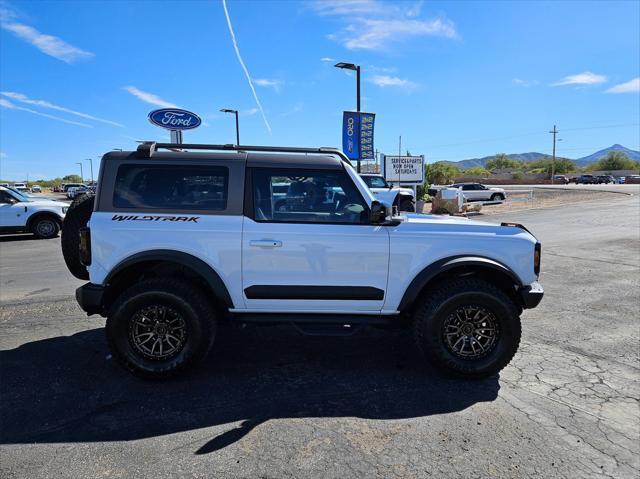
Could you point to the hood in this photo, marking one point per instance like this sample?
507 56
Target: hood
415 218
50 203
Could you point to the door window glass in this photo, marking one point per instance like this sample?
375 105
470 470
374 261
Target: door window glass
306 196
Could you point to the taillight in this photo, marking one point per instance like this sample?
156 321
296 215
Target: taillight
85 246
537 252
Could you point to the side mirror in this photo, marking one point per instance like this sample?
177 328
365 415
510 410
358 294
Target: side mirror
378 213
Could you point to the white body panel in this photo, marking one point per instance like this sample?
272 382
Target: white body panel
314 255
214 239
425 239
387 195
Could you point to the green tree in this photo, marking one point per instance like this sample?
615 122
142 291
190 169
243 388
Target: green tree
615 160
476 171
501 160
562 166
440 173
72 179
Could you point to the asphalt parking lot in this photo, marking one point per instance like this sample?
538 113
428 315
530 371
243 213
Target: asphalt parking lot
271 403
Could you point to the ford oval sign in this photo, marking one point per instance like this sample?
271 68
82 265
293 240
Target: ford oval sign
174 119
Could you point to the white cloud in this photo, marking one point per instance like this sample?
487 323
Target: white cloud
149 97
249 112
3 154
10 106
47 44
327 59
632 86
242 64
372 24
386 80
265 82
584 78
45 104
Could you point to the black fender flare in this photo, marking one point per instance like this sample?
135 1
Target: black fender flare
178 257
400 196
447 264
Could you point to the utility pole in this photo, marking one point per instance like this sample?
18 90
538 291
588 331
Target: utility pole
81 175
554 132
90 160
399 158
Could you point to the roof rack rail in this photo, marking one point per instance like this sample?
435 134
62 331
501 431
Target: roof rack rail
148 148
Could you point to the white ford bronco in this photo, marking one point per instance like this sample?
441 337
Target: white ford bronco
179 238
28 214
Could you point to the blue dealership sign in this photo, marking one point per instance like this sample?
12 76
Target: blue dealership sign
357 135
175 119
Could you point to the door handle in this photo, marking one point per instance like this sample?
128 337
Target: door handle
266 243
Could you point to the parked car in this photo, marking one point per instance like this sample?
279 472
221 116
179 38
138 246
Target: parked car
21 187
36 189
171 253
20 213
6 185
478 192
585 180
605 179
561 179
632 179
75 191
620 180
383 191
66 186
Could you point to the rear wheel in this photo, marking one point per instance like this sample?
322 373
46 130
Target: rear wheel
77 217
160 326
45 227
468 327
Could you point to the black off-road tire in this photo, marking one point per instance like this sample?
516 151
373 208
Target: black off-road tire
430 318
77 217
45 227
407 205
180 296
497 197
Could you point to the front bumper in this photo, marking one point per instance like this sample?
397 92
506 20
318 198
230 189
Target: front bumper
89 297
531 295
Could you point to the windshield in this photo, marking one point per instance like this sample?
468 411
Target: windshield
17 195
375 182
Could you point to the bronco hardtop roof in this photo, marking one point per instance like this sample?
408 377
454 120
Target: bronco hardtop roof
272 156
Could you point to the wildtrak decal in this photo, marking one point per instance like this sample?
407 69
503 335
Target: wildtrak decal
188 219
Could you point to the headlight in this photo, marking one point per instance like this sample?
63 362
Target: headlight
64 210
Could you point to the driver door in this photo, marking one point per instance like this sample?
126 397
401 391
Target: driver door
310 247
12 212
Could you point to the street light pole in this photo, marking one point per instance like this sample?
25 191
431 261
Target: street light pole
81 175
235 112
553 158
355 68
90 160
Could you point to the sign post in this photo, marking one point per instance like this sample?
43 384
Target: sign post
175 120
357 136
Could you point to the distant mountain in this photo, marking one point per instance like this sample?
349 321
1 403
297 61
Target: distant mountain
592 158
535 156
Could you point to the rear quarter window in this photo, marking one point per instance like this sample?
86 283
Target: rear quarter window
171 187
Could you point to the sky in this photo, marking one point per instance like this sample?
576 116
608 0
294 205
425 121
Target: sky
456 80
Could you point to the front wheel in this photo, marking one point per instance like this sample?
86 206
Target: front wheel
497 197
45 228
407 205
468 327
159 327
